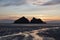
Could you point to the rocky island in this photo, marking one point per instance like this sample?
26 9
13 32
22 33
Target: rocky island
24 20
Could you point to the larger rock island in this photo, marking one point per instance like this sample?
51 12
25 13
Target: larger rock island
24 20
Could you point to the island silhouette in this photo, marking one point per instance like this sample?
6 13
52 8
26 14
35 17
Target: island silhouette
24 20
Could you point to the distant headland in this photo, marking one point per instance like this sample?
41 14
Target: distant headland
24 20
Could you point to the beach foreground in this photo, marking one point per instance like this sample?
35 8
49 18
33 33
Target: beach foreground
29 31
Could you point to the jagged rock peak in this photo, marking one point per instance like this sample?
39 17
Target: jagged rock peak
22 20
34 20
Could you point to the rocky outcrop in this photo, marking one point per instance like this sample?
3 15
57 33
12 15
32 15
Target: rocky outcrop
24 20
34 20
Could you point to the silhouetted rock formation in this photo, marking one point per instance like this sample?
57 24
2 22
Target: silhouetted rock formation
34 20
22 20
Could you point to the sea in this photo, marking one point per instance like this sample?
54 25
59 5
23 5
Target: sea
49 31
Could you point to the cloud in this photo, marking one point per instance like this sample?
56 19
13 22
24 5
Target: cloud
11 2
44 2
4 3
52 2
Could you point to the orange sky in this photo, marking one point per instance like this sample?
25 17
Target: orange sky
44 18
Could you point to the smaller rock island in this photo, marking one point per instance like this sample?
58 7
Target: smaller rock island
24 20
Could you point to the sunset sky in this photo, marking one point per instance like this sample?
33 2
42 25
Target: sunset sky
47 10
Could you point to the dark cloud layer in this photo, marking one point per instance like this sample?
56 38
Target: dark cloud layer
21 2
11 2
52 2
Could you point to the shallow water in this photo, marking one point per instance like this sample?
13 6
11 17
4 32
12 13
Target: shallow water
25 32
